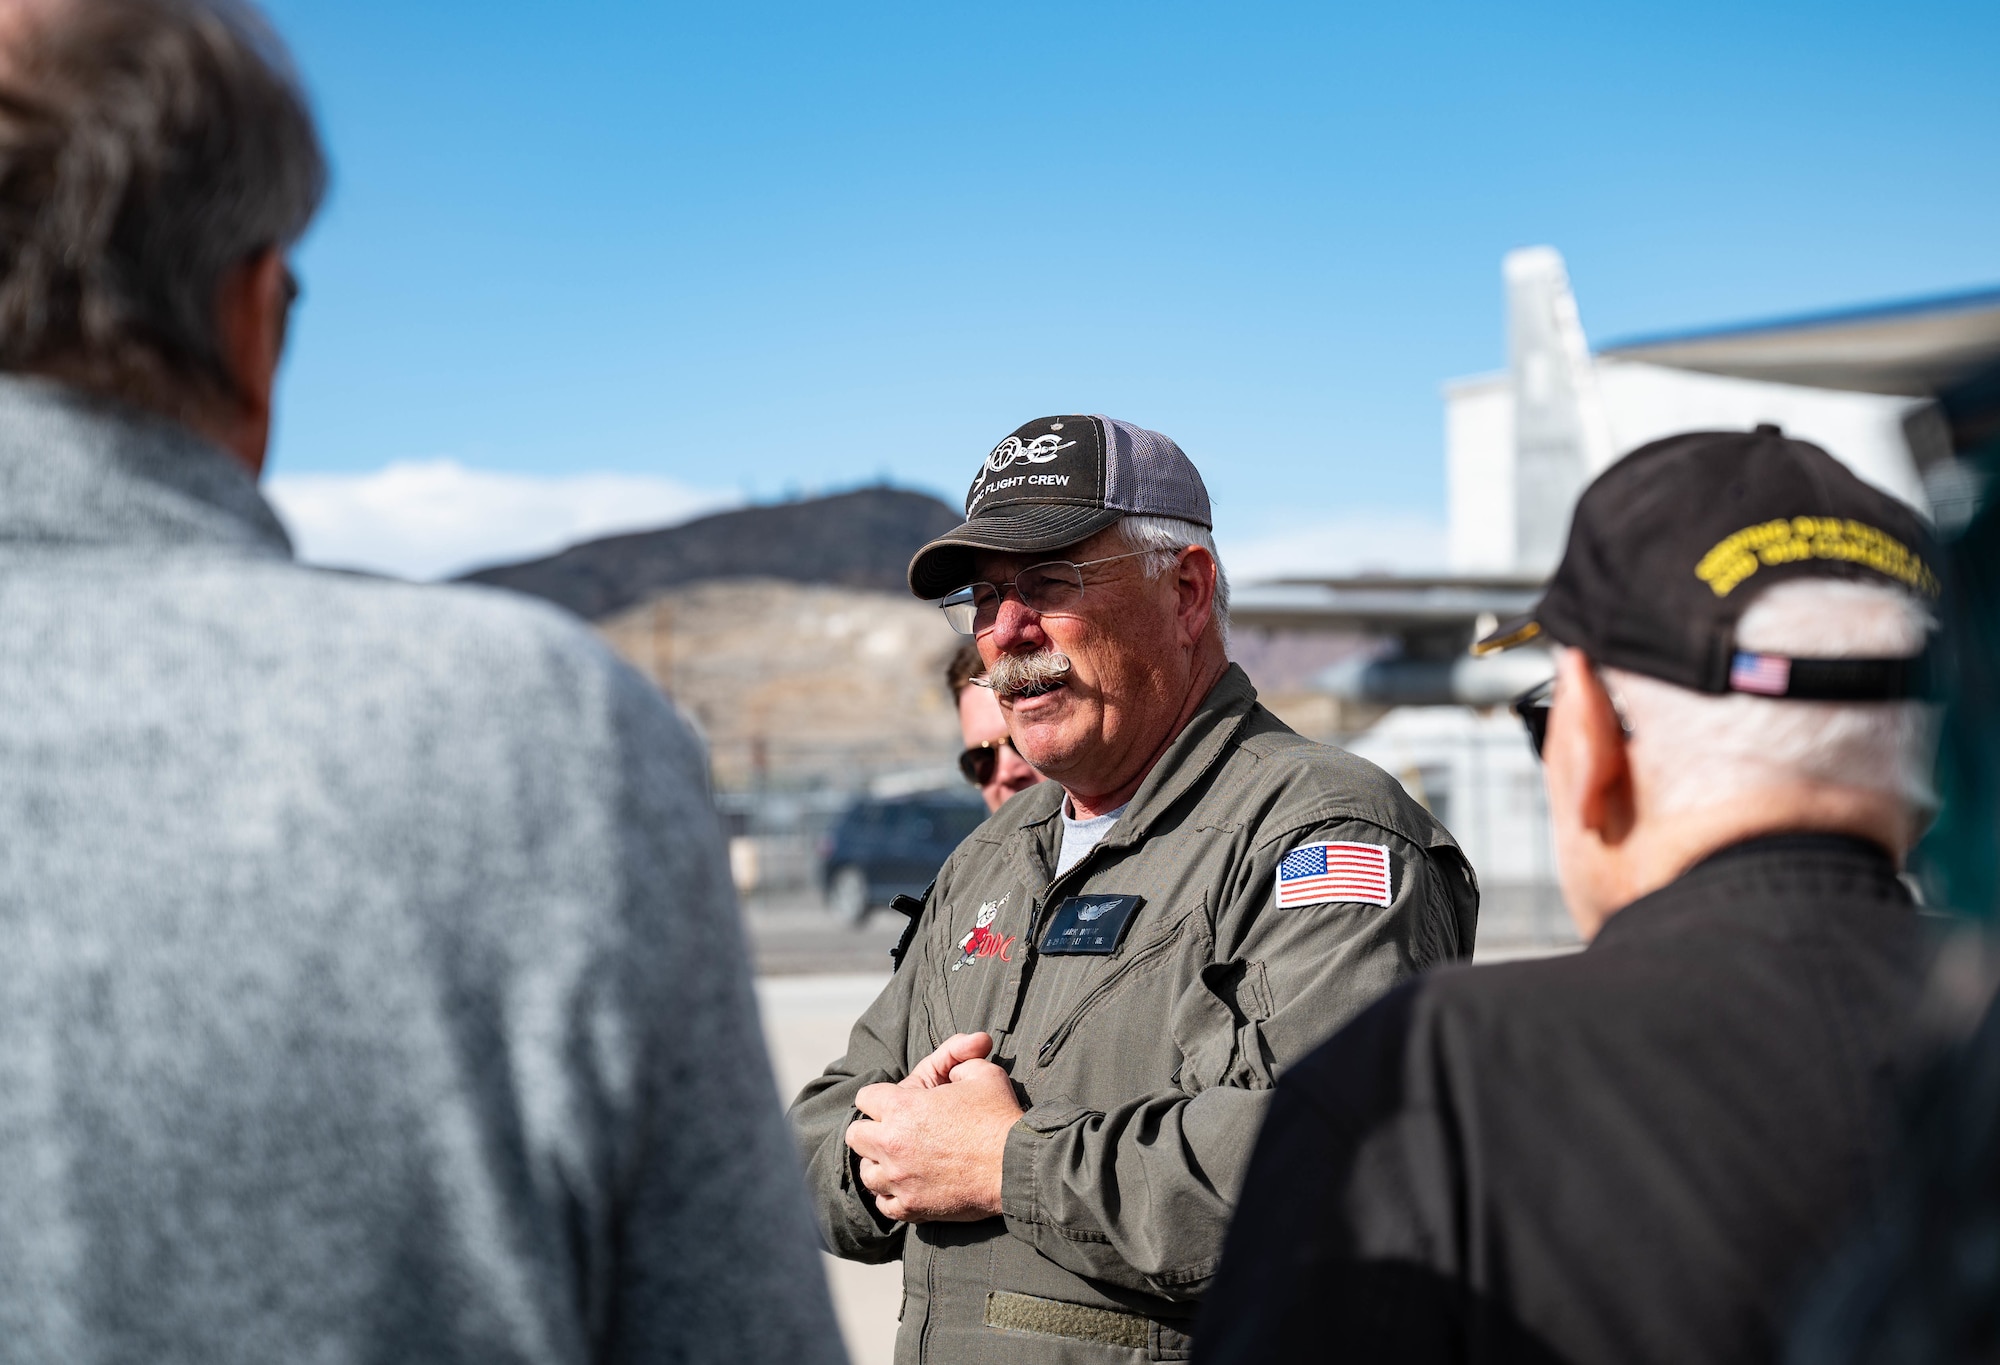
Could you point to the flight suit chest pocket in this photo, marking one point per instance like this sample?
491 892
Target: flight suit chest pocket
1120 1001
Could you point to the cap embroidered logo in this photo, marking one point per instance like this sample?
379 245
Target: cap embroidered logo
1011 452
1791 540
1050 460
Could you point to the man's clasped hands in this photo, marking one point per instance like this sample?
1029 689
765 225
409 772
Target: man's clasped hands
933 1144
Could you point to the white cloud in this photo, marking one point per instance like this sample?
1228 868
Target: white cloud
434 518
1354 542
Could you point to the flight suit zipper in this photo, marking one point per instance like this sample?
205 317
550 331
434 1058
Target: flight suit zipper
1140 957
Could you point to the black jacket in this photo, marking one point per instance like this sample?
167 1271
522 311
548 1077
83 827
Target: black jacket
1633 1154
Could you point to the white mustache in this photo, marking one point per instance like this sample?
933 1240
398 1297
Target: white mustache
1013 674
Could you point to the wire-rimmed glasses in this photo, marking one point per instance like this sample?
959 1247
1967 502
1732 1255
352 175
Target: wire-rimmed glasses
1047 587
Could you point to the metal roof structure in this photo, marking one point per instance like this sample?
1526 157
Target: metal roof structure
1945 347
1376 605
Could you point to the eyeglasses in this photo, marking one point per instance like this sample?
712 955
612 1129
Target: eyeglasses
979 761
1533 707
974 608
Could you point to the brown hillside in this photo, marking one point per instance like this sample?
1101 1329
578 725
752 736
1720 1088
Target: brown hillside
797 685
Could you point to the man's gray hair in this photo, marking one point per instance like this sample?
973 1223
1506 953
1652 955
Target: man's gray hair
146 148
1167 537
1690 748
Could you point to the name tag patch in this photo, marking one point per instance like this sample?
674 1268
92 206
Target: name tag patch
1313 874
1090 924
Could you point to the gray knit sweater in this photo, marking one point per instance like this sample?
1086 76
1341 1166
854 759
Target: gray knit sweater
371 987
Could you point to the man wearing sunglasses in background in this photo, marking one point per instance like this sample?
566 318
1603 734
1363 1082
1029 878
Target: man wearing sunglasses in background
1638 1153
989 760
1048 1112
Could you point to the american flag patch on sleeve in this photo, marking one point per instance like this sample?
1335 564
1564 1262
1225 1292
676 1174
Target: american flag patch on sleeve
1313 874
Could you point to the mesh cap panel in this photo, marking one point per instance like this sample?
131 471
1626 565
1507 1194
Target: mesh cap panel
1147 475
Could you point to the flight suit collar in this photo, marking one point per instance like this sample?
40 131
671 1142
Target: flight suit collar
1196 749
1200 746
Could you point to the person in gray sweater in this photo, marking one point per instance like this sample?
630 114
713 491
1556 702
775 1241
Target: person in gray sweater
373 986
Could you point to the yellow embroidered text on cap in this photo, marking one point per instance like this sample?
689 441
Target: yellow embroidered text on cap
1789 541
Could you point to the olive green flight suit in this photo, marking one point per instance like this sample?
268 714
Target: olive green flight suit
1145 1071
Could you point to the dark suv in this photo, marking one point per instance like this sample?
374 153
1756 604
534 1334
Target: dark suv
884 848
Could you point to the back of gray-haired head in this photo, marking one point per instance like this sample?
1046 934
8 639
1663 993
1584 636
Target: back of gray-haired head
146 148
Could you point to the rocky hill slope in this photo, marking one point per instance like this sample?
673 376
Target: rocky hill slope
799 685
863 539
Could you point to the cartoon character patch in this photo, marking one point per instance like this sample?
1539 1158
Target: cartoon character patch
982 941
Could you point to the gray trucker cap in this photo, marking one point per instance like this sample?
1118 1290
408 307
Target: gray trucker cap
1058 480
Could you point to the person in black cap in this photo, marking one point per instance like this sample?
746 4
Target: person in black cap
1048 1112
1638 1153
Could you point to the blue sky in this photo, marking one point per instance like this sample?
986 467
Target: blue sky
756 249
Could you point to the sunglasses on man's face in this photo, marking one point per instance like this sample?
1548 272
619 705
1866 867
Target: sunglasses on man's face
979 761
1532 706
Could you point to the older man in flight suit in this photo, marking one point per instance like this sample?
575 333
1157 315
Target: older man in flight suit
1048 1111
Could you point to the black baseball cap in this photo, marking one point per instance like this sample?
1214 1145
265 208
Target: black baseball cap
1669 546
1056 481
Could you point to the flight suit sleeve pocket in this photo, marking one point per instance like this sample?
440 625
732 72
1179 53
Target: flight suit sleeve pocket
1052 1116
1216 1026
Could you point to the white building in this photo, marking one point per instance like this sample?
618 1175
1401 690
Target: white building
1520 445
